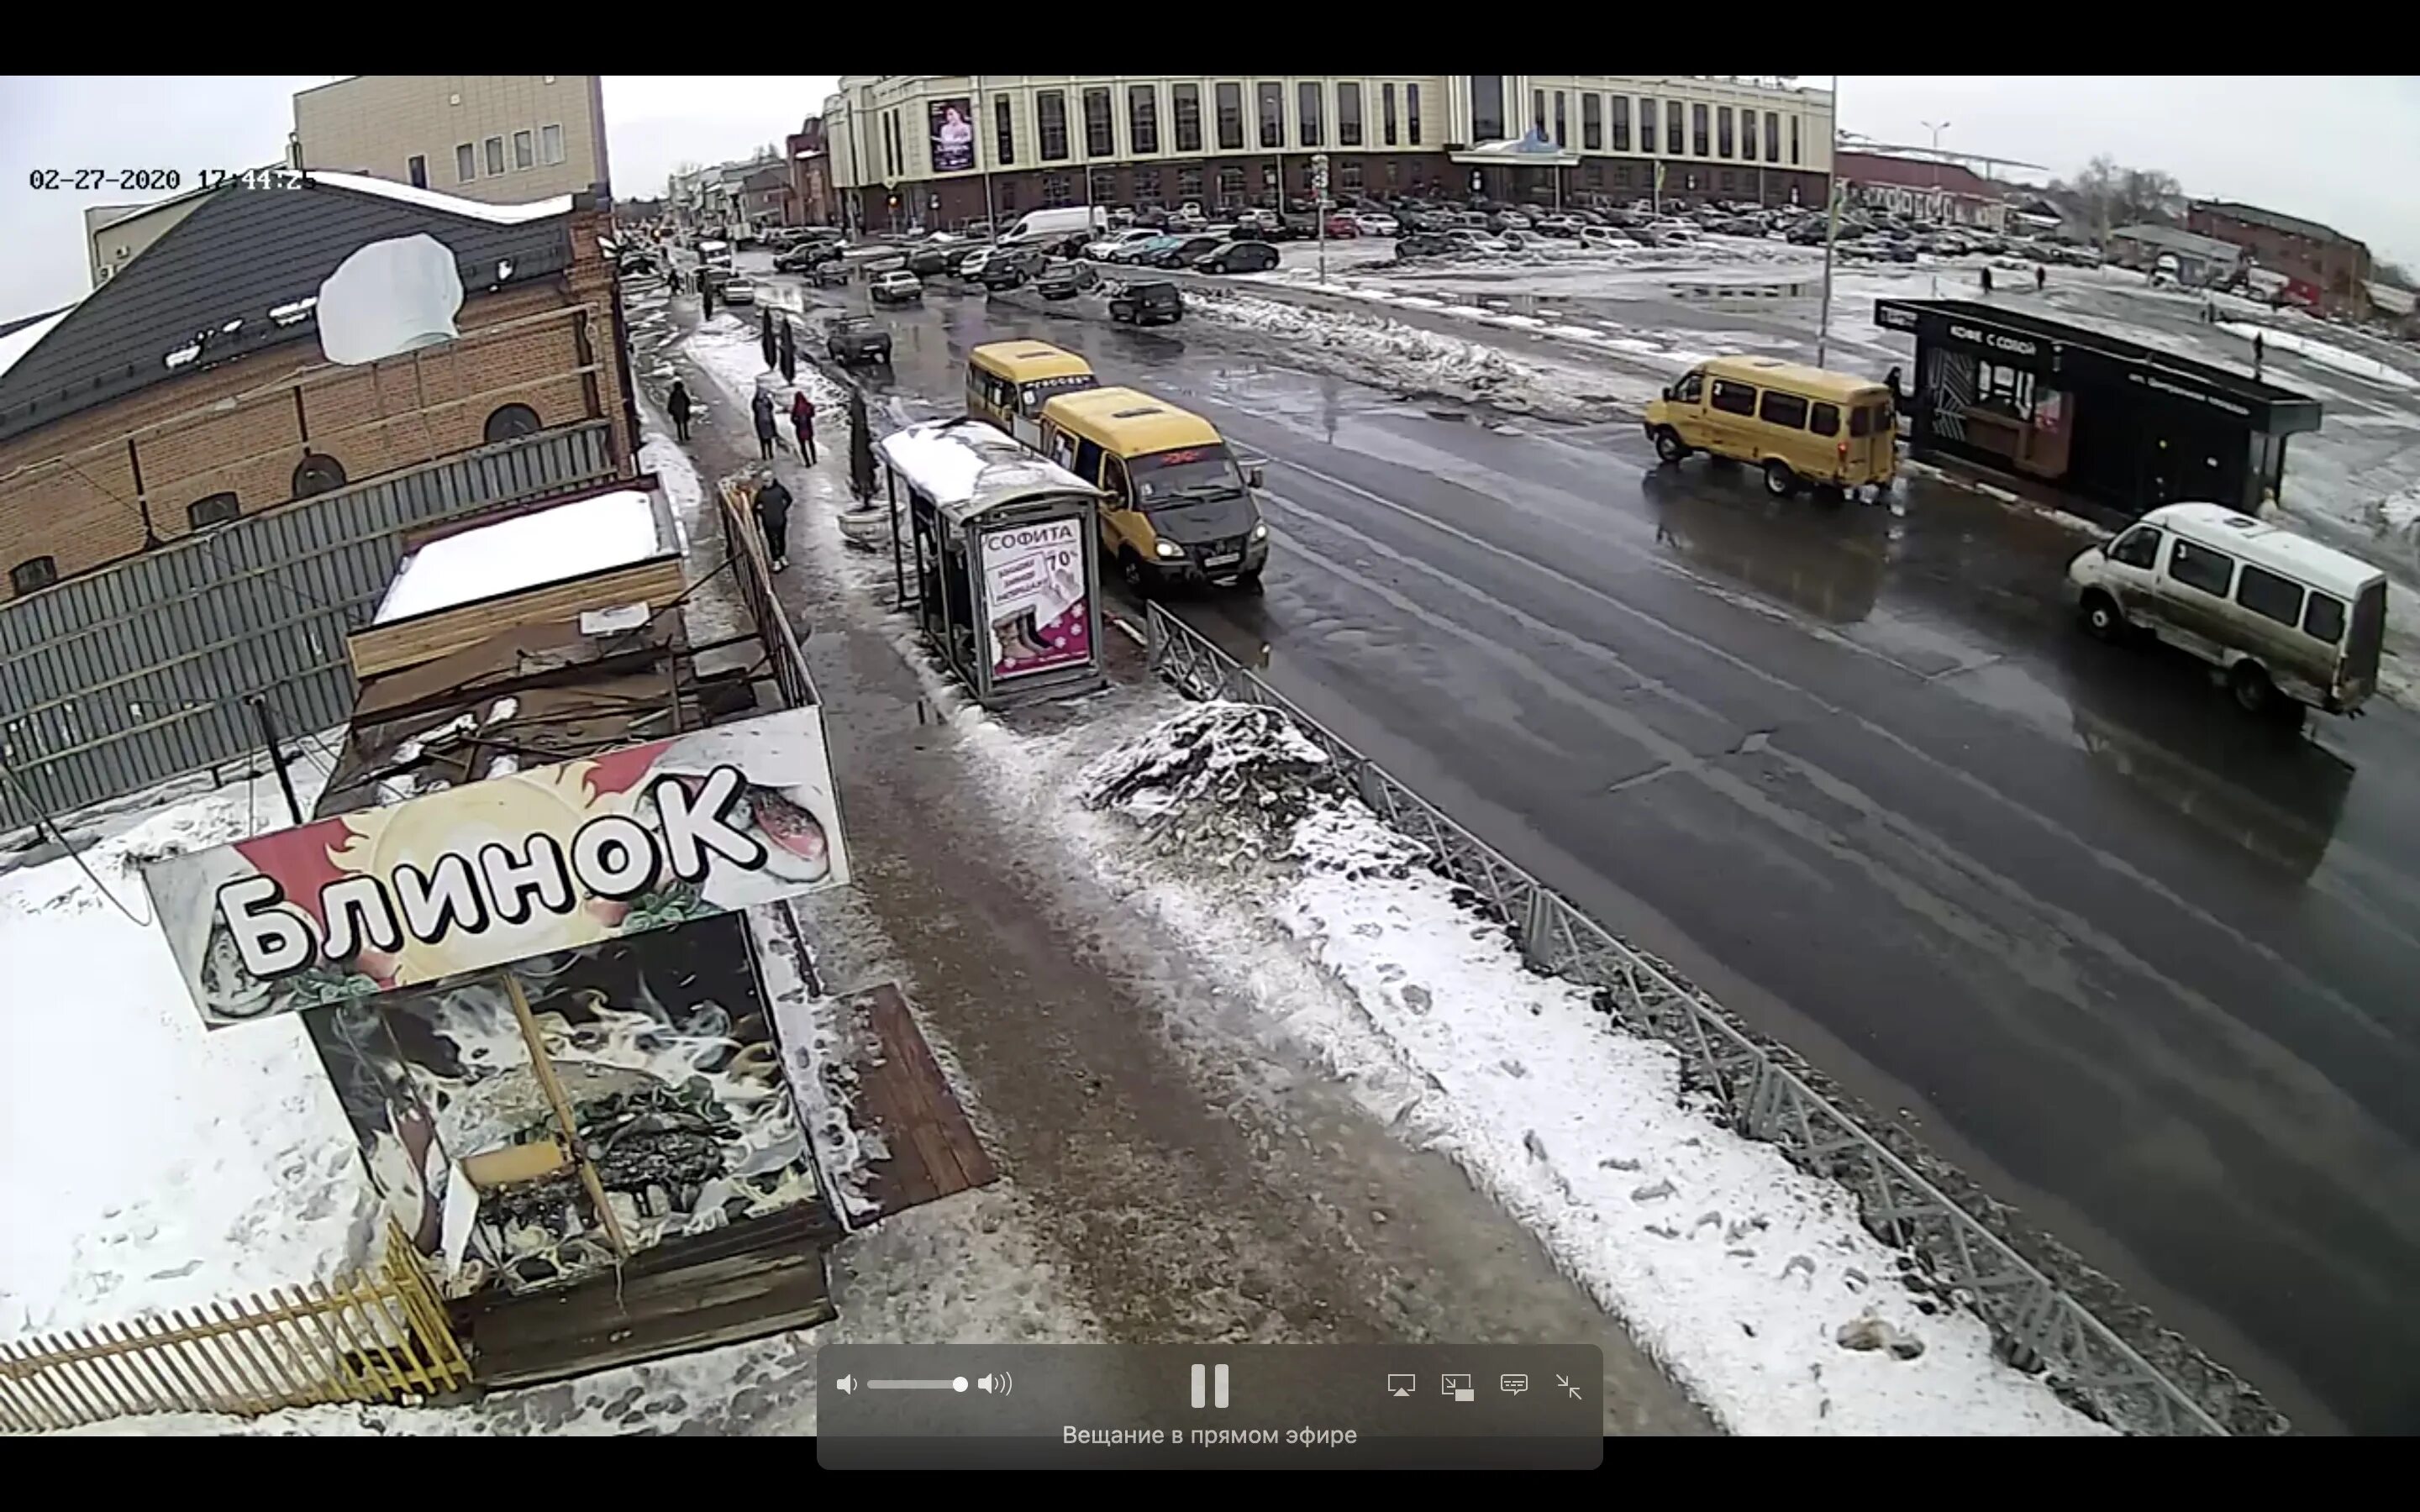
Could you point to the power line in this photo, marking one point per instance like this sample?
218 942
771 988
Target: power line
42 821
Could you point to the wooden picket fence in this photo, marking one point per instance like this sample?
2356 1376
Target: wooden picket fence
376 1337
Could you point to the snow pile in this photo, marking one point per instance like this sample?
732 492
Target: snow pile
1226 781
17 343
147 1163
1388 352
1754 1284
429 200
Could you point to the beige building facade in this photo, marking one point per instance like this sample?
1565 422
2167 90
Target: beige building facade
500 138
921 145
114 233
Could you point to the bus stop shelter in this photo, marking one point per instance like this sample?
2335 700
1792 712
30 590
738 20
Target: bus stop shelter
2121 426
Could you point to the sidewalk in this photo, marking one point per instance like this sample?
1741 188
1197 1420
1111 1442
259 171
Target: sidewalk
1183 1175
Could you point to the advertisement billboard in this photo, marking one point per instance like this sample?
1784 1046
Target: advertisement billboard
550 860
953 134
1039 607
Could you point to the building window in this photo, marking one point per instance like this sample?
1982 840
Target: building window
34 572
1188 107
511 421
1747 134
1100 131
1698 140
1007 193
1537 111
1272 116
524 149
416 168
1645 121
1723 129
1231 118
1411 115
1003 130
496 147
1051 120
1563 120
1591 123
1386 113
215 509
1147 188
1348 175
1231 184
1771 136
1309 129
1730 180
318 475
1794 141
1674 142
1142 119
549 145
466 163
1058 188
1348 114
1487 109
1188 186
1104 182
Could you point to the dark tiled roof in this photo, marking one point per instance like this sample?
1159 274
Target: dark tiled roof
2255 215
243 252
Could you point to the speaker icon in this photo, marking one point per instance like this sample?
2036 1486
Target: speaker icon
998 1382
846 1384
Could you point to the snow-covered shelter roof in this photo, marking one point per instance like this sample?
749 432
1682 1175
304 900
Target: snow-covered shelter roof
967 468
210 283
528 550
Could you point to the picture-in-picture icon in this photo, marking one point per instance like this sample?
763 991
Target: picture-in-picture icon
1460 1388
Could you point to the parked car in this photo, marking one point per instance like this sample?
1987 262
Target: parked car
1147 304
973 263
1429 244
1239 257
1560 225
856 339
1513 221
1065 280
1134 253
1007 269
833 272
1369 224
898 287
804 256
1106 248
736 288
926 261
1187 251
1469 239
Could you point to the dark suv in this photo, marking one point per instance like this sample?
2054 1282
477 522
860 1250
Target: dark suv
855 339
1144 305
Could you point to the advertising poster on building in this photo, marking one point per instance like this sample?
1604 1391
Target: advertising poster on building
953 134
554 859
1040 605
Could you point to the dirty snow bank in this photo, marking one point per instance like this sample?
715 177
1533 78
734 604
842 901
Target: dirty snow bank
147 1163
1391 354
1754 1284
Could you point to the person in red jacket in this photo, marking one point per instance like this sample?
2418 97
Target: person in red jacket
802 420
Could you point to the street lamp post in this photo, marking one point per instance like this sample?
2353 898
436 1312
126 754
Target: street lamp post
983 155
1831 226
1936 127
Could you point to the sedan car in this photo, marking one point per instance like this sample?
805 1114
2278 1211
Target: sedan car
927 260
1239 257
805 256
833 273
1372 224
737 288
1428 244
1107 248
1066 280
898 287
1007 269
1342 225
1184 253
856 339
1137 253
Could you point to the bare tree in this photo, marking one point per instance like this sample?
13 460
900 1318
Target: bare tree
2392 274
2108 195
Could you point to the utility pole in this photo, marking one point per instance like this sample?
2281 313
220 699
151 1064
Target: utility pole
1936 127
983 155
1831 226
1318 205
276 757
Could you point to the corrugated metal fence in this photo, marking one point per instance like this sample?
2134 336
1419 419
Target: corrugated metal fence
124 678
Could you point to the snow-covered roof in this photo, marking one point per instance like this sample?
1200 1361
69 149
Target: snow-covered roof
2386 297
2189 242
450 204
20 339
545 546
965 467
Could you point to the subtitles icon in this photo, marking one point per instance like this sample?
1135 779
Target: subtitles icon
1459 1388
1402 1386
1514 1386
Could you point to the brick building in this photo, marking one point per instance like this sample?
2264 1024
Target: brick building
940 149
1922 189
812 197
2325 268
190 389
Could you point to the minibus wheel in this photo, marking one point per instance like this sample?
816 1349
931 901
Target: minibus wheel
2254 692
1670 447
1778 480
2101 616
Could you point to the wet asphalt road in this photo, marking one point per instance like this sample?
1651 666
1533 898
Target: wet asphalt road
2143 967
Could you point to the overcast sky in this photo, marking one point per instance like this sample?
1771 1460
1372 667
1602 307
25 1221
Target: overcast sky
2333 149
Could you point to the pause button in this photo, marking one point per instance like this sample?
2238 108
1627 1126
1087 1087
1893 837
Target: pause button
1217 1375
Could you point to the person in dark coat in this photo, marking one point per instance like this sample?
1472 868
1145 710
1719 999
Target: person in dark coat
762 406
1898 398
802 420
764 337
2041 277
790 347
2259 354
705 296
672 277
773 518
677 404
1987 281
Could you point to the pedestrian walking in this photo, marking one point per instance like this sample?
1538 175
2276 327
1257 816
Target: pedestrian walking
789 346
677 402
763 408
2041 277
1987 283
764 337
802 421
773 518
1890 381
2259 354
705 296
